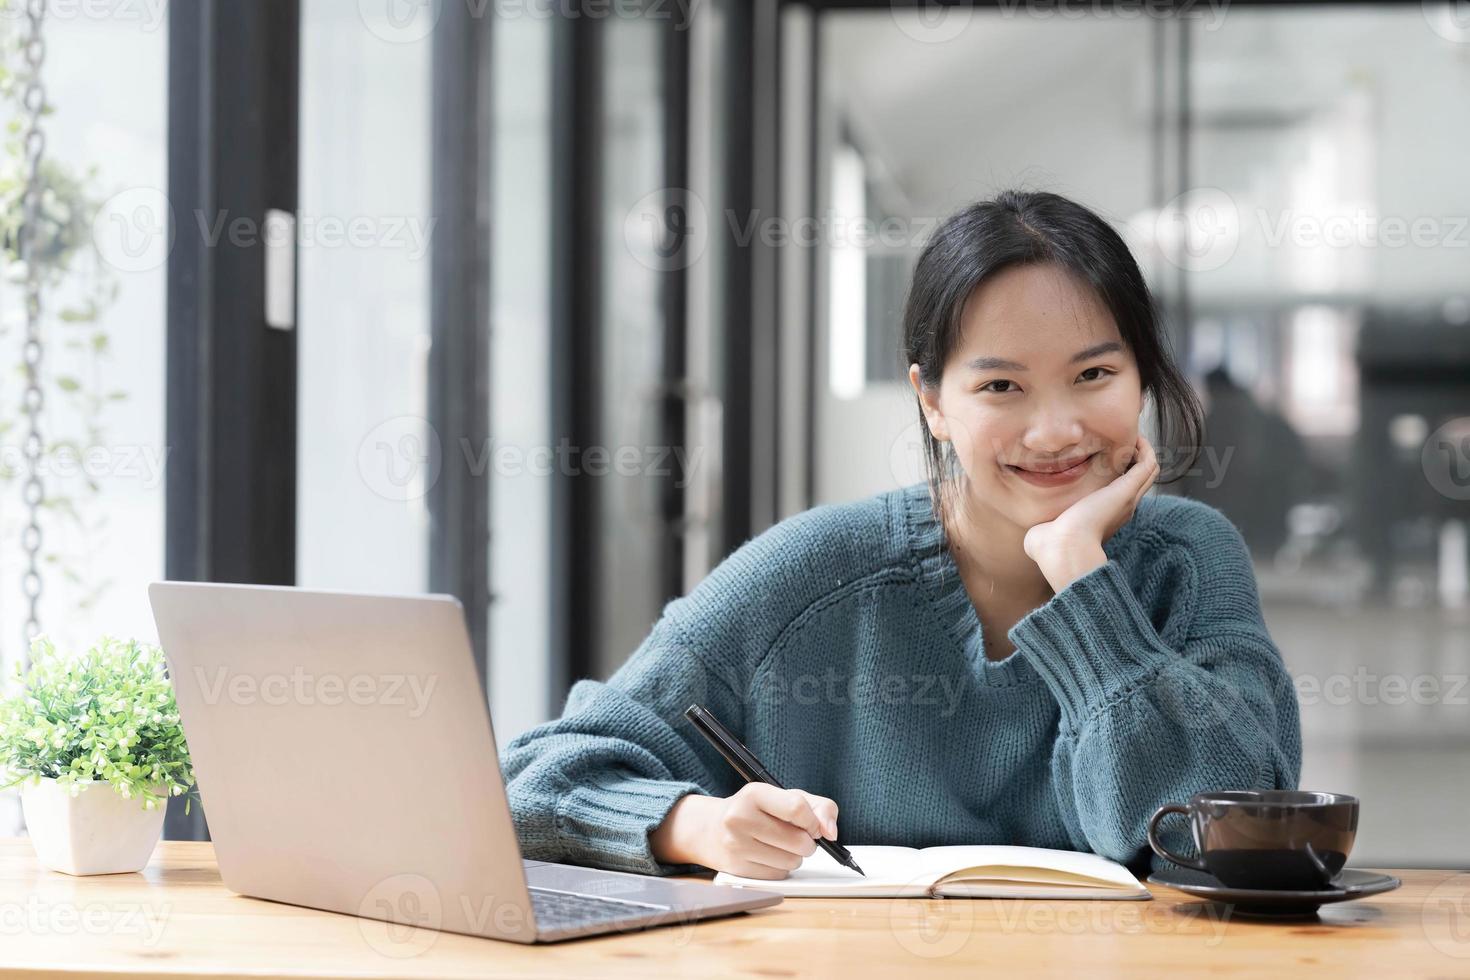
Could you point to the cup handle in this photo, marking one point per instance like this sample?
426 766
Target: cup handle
1160 849
1323 875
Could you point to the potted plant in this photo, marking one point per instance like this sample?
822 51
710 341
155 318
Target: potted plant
95 743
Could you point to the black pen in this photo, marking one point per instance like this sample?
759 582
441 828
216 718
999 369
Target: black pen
750 767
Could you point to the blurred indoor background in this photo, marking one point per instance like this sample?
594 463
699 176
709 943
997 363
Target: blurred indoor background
582 296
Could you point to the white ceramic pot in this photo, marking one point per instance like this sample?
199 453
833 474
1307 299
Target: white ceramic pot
96 832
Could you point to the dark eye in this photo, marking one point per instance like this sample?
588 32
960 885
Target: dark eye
1095 372
991 386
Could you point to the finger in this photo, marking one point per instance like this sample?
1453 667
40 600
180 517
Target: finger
778 833
754 869
1149 464
1123 489
1143 490
1145 468
772 857
791 806
826 811
1147 450
1123 462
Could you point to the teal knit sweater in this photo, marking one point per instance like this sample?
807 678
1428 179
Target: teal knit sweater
841 646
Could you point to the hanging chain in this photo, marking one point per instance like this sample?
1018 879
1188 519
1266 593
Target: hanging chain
33 101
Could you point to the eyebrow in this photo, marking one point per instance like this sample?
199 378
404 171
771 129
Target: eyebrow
1001 364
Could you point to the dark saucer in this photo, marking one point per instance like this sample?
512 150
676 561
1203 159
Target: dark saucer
1348 885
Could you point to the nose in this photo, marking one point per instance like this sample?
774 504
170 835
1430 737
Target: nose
1053 428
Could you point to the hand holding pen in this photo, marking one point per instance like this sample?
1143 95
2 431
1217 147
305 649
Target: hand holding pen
751 769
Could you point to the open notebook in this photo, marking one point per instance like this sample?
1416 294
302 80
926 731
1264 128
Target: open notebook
954 871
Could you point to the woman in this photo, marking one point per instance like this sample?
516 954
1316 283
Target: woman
1026 650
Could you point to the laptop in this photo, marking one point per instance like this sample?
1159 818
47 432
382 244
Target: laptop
346 761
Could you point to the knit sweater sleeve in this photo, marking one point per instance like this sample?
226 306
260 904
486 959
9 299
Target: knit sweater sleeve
1147 720
589 787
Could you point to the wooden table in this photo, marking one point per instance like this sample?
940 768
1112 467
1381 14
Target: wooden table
176 918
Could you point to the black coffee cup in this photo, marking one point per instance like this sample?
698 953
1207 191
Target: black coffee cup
1276 839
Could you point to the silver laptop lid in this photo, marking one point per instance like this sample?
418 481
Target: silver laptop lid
344 753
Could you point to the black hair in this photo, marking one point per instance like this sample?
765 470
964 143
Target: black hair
1032 228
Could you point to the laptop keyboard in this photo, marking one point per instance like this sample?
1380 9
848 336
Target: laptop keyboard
557 909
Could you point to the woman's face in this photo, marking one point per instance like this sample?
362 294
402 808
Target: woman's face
1040 398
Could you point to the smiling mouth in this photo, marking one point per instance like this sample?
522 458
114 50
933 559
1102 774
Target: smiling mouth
1060 474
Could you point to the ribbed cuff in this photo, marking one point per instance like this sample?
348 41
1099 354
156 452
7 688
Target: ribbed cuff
608 822
1091 641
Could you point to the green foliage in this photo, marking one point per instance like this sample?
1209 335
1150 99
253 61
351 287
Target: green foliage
107 715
